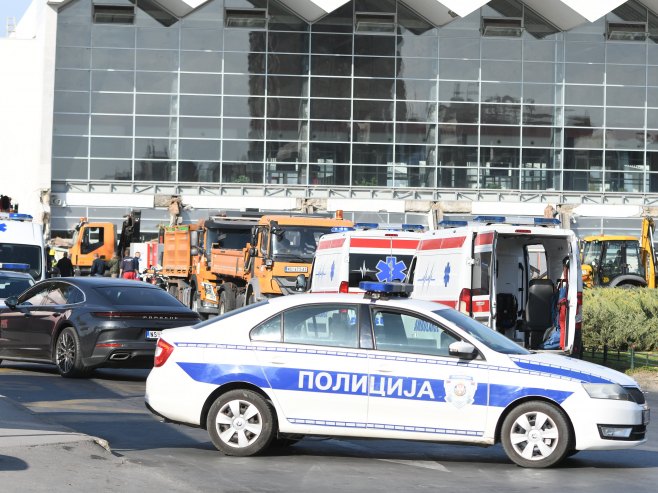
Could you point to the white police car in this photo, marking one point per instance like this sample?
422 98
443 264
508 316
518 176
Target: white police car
384 366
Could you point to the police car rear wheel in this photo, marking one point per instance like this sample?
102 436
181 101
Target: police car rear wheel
241 423
536 435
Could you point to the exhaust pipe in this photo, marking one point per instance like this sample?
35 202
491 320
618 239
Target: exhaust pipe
120 356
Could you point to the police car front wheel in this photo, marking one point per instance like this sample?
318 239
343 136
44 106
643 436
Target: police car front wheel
536 434
241 423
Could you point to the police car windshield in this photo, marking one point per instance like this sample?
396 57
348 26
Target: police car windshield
22 254
13 286
490 338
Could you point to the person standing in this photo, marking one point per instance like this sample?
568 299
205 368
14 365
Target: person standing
175 206
113 265
98 266
137 259
65 266
127 270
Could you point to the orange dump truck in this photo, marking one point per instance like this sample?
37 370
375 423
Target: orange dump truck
223 263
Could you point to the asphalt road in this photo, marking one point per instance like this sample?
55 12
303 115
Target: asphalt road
147 455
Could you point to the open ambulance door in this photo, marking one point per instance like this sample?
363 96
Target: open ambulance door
483 277
571 342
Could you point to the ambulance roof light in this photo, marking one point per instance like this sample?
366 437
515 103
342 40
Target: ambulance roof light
489 219
15 216
518 220
413 227
366 226
384 290
15 266
452 223
547 221
341 229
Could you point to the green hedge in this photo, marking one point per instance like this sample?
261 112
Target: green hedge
621 318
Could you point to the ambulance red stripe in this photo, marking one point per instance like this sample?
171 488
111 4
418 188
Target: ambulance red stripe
383 243
442 243
484 239
326 244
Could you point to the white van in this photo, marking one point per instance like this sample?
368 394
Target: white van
489 270
367 252
21 242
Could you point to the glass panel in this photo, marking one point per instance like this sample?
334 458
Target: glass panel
459 91
624 160
498 168
626 53
374 45
329 153
540 137
331 44
237 106
460 48
335 66
418 46
539 93
501 49
326 87
624 182
417 68
112 81
286 129
70 146
111 103
244 63
202 128
374 88
576 116
286 107
157 60
539 50
201 105
243 128
279 173
189 171
626 74
374 67
69 169
652 118
583 138
458 112
242 173
150 104
201 83
159 38
501 71
585 52
330 109
328 130
624 139
243 40
416 155
626 96
539 115
110 169
287 64
74 102
111 125
106 58
539 72
81 35
290 152
585 73
585 95
238 150
501 93
64 124
625 117
459 69
74 58
201 61
154 126
111 147
499 136
198 150
373 110
416 111
288 42
72 80
415 133
370 176
329 174
458 135
372 153
155 171
508 114
416 89
200 39
373 132
166 82
247 85
458 156
287 86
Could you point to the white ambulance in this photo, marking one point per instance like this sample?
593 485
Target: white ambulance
487 269
21 242
367 252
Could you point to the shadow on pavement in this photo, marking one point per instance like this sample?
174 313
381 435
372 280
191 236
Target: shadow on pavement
9 463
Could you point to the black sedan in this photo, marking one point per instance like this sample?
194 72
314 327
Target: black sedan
82 323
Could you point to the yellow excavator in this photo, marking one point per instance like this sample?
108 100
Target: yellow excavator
620 261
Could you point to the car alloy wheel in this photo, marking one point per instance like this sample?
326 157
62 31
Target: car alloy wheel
240 423
67 354
536 434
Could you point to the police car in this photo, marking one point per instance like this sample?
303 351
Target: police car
14 279
385 366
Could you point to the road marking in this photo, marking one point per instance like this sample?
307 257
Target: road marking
103 405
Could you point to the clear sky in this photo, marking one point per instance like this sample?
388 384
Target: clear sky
11 8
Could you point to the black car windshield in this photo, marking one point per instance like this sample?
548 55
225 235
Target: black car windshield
137 296
490 338
13 287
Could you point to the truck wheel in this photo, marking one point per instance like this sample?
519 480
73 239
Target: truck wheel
252 299
239 300
226 301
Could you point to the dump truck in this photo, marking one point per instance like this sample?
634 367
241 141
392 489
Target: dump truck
619 260
223 263
91 237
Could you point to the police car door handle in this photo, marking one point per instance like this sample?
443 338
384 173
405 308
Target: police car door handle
384 369
278 361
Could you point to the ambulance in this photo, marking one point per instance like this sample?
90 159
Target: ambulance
488 270
21 242
365 252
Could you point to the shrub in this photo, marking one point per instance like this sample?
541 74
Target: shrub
621 318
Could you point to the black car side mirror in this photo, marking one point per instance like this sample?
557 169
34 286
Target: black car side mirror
12 302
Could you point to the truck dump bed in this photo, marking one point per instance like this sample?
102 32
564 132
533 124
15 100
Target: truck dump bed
176 256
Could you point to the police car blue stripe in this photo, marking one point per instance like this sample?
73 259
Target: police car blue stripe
383 426
553 370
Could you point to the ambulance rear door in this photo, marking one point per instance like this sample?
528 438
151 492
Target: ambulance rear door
483 277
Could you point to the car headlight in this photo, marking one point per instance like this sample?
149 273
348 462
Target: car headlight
607 391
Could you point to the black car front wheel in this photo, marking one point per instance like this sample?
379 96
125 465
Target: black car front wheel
68 357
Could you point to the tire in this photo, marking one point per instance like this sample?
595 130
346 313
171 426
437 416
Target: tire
285 442
226 301
241 423
68 357
239 300
536 435
195 301
252 299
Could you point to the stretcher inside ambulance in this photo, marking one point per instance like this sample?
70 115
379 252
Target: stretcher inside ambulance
522 280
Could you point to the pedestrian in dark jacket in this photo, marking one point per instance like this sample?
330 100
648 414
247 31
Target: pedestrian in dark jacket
128 266
98 266
65 266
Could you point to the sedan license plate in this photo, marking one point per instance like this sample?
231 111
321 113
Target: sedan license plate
152 335
646 416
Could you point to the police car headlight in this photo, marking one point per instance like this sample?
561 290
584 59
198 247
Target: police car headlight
607 391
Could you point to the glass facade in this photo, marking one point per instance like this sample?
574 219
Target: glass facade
243 91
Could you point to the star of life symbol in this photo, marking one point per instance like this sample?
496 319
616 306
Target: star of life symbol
3 227
391 270
460 390
446 275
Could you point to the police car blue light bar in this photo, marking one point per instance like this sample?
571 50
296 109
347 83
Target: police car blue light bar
14 266
15 216
373 287
341 229
452 224
518 220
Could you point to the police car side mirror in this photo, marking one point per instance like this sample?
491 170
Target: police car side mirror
463 350
300 283
11 302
